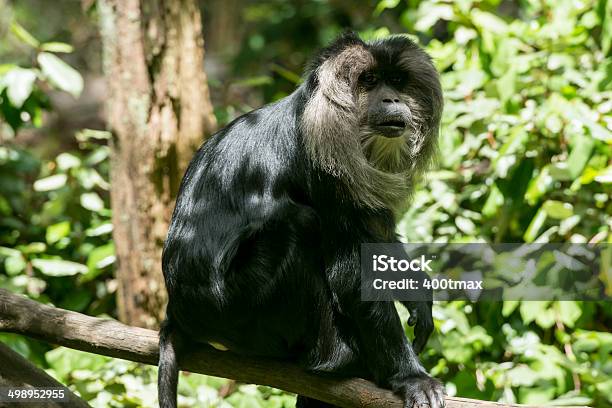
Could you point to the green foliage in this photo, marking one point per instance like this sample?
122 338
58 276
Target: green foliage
525 141
22 100
55 226
527 352
106 382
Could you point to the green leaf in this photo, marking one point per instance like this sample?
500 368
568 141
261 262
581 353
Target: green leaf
380 33
101 229
605 388
539 186
77 300
557 209
597 131
57 231
64 361
554 124
546 319
86 134
522 375
14 265
89 178
5 207
285 73
67 161
465 224
18 343
4 68
568 224
515 144
19 83
509 307
100 154
56 47
429 14
23 34
535 225
578 158
504 57
385 4
60 74
530 310
572 398
606 35
456 349
101 257
98 259
33 248
539 311
470 81
50 183
494 201
488 22
536 396
92 202
260 80
569 312
506 85
58 267
9 252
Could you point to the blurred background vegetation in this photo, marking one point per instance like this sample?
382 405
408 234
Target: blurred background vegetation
526 156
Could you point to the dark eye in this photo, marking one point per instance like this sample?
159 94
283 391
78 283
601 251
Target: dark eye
368 78
396 79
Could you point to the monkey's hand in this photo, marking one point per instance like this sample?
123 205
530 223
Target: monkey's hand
422 320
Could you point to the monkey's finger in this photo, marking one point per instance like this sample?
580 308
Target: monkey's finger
434 402
440 395
437 398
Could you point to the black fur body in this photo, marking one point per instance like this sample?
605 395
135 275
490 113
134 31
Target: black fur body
262 254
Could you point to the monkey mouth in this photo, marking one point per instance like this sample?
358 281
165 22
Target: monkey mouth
391 128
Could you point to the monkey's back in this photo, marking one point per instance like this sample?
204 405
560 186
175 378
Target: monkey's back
243 177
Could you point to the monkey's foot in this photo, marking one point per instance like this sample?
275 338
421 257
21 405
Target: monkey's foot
422 392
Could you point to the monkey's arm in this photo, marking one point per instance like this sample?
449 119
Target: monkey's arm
419 307
389 356
387 350
422 320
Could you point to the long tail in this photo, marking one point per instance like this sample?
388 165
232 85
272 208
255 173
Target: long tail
167 377
305 402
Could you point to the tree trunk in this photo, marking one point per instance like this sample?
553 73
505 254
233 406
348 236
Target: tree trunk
159 112
223 27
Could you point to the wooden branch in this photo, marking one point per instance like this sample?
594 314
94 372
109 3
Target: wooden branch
17 372
108 337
